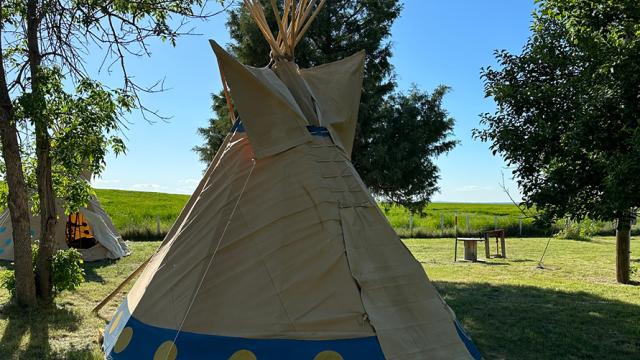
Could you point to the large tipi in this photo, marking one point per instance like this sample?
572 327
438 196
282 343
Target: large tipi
90 230
281 253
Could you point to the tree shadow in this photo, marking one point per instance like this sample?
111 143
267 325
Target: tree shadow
90 273
591 240
524 322
33 324
9 265
488 263
520 260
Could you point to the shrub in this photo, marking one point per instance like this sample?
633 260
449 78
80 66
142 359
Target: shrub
8 281
576 230
67 272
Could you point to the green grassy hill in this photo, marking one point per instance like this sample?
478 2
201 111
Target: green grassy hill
134 214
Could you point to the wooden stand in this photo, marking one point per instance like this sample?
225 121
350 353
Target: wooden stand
471 250
470 245
499 234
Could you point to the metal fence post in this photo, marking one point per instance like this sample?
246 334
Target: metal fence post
495 222
411 224
442 224
520 224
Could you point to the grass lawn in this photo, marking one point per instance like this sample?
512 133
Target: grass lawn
571 309
70 330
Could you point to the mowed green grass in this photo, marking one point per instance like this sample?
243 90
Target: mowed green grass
68 330
571 309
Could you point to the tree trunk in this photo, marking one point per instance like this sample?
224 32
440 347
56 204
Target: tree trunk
43 170
18 195
47 214
623 249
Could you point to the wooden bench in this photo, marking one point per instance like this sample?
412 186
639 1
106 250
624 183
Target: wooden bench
471 248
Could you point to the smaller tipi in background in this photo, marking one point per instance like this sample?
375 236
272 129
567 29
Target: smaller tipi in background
89 230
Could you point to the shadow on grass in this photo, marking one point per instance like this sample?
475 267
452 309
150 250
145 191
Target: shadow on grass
522 322
495 263
32 327
143 235
90 273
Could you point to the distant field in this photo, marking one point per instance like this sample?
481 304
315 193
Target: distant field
439 220
134 214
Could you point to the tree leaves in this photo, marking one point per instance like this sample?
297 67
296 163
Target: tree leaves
568 115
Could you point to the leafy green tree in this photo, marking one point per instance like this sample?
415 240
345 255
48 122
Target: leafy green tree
342 28
216 131
419 128
569 112
42 41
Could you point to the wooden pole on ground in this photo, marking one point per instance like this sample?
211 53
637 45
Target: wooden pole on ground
122 285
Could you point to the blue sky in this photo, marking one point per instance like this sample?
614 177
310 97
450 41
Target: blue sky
435 42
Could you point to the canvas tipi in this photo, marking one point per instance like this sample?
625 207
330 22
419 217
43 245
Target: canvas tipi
281 253
90 230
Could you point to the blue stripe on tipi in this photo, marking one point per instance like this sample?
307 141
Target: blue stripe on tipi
146 339
471 347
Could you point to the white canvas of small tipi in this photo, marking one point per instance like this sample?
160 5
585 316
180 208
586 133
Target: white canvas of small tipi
90 230
281 253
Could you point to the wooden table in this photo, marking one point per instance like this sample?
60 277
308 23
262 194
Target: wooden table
471 248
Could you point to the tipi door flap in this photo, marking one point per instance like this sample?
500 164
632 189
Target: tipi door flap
404 308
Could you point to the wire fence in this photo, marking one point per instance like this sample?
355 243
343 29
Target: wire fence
433 224
474 225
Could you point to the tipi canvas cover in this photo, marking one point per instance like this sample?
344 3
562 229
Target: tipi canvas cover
92 224
281 253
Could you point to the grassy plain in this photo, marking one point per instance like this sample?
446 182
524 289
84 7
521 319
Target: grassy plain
570 309
135 215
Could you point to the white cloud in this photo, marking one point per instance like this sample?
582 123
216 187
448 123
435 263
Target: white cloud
105 182
189 181
148 187
187 186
